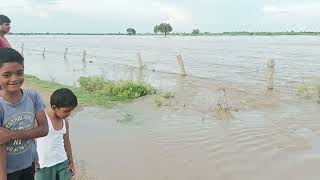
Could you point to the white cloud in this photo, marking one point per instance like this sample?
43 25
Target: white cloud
303 9
294 15
27 8
274 10
124 8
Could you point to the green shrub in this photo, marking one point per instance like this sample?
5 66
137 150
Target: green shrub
92 84
119 91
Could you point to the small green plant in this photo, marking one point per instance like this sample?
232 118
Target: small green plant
223 110
158 101
168 95
317 89
92 84
304 91
164 99
310 90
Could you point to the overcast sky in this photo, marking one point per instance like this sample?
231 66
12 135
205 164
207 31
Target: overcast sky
184 15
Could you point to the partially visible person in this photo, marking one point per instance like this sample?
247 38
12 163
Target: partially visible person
4 29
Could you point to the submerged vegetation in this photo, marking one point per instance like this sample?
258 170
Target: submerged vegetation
309 90
164 99
223 110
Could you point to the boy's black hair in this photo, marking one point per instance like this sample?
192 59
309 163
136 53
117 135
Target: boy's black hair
8 55
4 19
63 97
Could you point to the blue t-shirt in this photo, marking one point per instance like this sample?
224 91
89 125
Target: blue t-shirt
21 116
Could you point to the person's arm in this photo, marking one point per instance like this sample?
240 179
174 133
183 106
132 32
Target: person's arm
3 164
68 148
41 120
5 135
36 132
41 130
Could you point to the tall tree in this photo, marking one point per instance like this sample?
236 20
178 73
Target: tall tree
131 31
163 28
196 31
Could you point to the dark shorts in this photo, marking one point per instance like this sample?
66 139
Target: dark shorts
25 174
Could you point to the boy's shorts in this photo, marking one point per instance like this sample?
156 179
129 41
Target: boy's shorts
57 172
24 174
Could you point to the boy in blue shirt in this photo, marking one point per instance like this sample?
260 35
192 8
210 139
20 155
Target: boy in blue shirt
19 110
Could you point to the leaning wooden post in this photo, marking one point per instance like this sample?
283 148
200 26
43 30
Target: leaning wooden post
270 73
22 48
141 68
181 64
65 53
43 52
84 56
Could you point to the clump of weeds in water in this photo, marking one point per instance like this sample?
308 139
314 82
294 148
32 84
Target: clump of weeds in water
317 88
311 91
168 95
304 91
223 110
164 99
158 101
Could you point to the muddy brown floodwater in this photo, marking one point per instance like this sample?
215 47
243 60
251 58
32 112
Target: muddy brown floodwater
270 136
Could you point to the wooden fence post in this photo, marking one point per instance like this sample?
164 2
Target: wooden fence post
22 48
43 52
141 68
270 72
84 56
65 53
181 64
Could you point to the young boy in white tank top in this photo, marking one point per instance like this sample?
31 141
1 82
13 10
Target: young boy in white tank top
54 150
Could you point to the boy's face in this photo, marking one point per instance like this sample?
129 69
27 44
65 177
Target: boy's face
11 76
5 27
63 112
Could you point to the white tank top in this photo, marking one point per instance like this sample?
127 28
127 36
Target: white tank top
50 148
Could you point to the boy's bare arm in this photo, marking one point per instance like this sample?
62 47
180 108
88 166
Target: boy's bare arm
3 168
36 132
68 148
5 135
41 130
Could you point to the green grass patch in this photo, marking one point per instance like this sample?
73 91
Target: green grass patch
117 91
96 90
